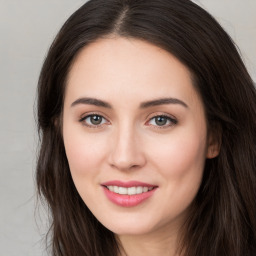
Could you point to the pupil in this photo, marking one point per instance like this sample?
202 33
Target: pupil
96 120
161 120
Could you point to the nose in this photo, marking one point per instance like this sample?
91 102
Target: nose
126 150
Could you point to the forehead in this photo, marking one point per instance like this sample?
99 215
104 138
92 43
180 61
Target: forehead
123 68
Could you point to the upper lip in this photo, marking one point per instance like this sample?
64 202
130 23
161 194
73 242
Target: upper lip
127 184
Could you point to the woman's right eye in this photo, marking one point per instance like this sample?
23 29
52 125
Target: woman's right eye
93 120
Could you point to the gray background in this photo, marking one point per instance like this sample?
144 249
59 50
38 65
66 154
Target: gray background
27 28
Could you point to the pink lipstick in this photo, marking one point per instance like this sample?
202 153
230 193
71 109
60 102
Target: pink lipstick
128 194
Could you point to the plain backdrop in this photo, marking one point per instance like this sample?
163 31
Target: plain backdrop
27 28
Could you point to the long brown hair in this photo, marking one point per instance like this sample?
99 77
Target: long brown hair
223 214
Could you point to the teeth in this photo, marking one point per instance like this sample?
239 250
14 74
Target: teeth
129 191
122 191
139 190
145 189
132 191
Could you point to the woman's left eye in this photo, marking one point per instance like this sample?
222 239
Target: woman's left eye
162 121
93 120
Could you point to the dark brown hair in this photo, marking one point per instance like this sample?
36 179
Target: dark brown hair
223 214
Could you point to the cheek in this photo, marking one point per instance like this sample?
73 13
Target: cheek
181 155
84 152
180 161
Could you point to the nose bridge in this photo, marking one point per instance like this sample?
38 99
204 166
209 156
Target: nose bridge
126 150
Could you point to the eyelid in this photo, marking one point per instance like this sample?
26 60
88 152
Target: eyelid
171 118
84 116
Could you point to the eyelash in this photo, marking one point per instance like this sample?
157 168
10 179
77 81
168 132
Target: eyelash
82 120
172 121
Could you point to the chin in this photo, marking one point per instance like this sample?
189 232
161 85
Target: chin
130 230
129 226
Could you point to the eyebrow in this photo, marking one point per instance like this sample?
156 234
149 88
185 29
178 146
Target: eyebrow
146 104
91 101
162 101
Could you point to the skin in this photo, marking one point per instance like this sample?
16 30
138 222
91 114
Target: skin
129 144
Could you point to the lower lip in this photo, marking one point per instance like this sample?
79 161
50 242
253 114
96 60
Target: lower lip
127 200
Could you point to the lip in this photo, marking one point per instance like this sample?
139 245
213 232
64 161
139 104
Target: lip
127 200
127 184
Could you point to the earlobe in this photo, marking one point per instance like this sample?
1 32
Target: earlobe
57 124
213 151
214 143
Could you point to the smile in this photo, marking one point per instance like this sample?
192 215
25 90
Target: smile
129 191
128 194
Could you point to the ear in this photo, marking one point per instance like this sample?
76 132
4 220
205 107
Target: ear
214 141
57 123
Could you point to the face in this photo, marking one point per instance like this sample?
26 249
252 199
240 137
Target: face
135 135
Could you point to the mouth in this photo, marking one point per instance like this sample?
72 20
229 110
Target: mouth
128 194
130 190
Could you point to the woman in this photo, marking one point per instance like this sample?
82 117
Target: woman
147 121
